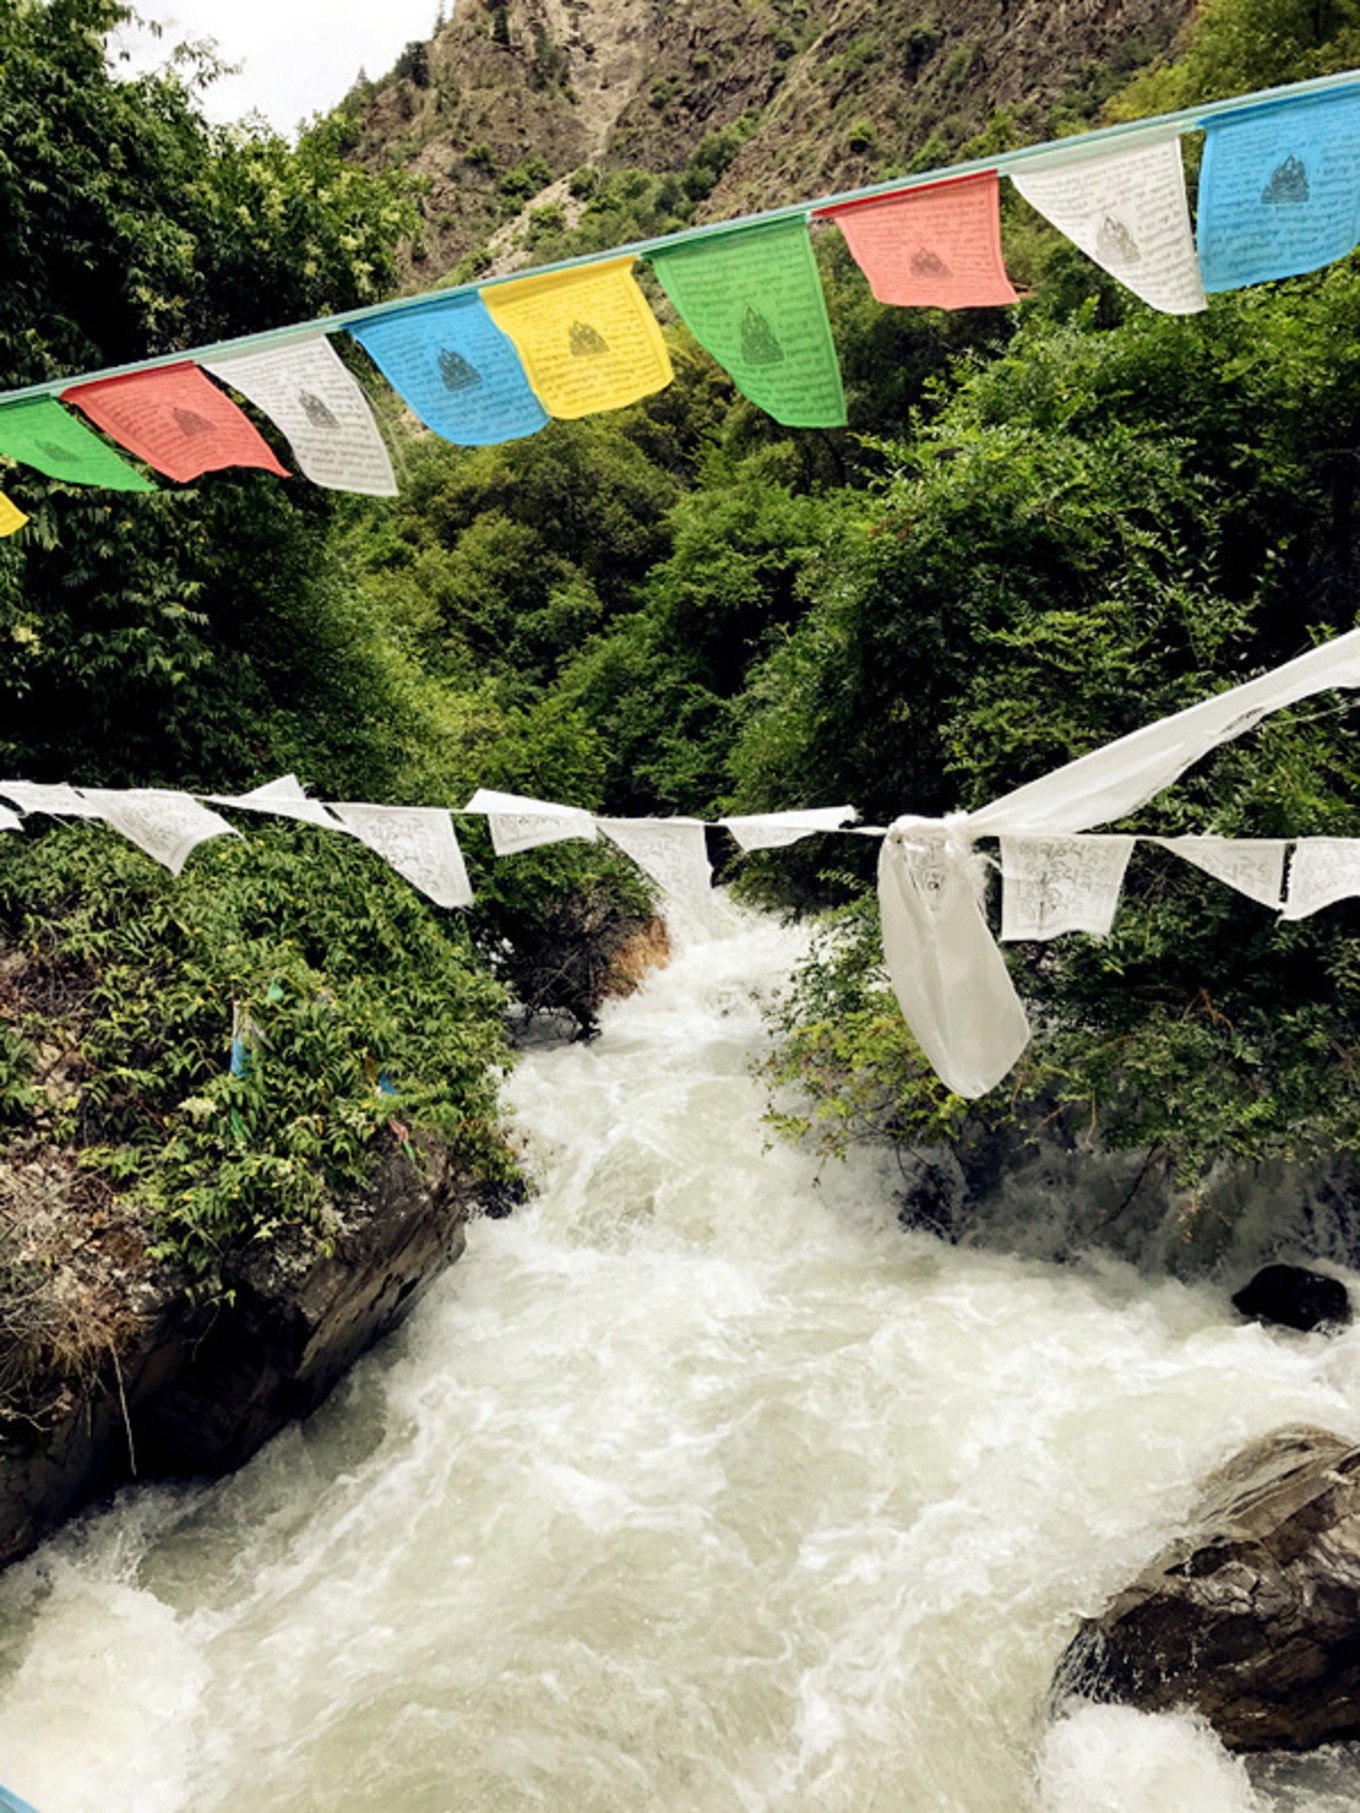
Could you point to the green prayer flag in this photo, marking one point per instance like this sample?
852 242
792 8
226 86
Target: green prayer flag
754 299
38 432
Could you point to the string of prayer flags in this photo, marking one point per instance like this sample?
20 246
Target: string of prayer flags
753 299
454 369
167 825
517 823
937 246
11 516
418 842
1126 208
38 432
672 851
53 797
175 419
307 393
1061 884
776 830
285 799
1252 865
1322 870
588 338
1278 190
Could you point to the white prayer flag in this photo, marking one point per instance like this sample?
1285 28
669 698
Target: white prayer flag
671 850
285 798
418 842
53 797
303 387
518 823
1126 208
1111 782
776 830
166 825
10 821
1061 884
1322 870
1252 865
947 970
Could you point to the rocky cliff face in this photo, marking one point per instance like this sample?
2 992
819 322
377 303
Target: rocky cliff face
833 94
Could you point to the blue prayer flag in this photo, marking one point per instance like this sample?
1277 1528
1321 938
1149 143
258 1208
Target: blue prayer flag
1279 189
455 369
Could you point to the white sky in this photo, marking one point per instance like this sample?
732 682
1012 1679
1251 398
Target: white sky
299 57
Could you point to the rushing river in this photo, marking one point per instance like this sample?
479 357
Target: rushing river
697 1486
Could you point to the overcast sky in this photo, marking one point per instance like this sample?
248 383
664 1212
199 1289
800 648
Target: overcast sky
299 57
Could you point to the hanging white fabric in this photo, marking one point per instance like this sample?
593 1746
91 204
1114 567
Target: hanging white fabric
418 842
671 850
284 798
776 830
1061 884
53 797
517 823
10 821
1252 865
1322 870
168 826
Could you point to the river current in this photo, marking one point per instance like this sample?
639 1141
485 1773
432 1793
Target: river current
697 1486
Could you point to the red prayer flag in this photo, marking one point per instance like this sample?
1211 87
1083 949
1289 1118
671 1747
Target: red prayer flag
175 419
938 246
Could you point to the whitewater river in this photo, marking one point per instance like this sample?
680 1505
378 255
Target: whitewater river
696 1486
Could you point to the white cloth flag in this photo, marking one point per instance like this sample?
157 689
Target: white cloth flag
1126 209
418 842
285 798
10 821
775 830
671 850
303 387
166 825
54 797
1322 870
928 953
517 823
1061 884
1252 865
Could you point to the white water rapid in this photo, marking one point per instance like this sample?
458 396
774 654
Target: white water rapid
697 1486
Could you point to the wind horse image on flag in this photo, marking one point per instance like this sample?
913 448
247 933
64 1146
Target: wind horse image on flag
588 339
753 298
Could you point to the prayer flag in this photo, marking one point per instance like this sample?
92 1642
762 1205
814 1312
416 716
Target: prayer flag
1126 209
455 370
52 797
1278 190
518 824
38 432
166 825
11 516
588 338
938 246
1252 865
419 843
775 830
671 850
1061 884
1322 870
307 393
9 821
176 420
285 799
753 298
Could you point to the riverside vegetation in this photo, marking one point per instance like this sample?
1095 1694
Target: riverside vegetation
1043 527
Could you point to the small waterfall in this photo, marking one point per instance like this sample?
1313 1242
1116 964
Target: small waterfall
697 1485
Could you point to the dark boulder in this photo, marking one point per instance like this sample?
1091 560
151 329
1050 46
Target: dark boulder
1295 1297
1254 1620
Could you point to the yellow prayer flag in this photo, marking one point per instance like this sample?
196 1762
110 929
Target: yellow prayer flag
587 337
11 516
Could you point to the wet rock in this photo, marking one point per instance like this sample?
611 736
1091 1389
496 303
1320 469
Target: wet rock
1295 1297
1253 1621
